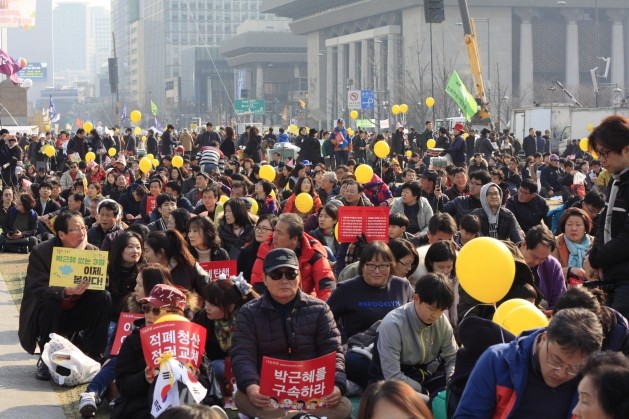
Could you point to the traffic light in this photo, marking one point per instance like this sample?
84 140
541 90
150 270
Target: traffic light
433 10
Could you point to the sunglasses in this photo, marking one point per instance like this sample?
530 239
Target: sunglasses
277 275
146 309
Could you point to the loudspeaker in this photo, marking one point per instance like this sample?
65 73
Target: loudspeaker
433 10
113 74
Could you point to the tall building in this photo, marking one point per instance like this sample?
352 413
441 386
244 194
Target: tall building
72 41
100 29
36 45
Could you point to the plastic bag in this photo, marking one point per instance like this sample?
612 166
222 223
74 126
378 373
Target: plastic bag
68 365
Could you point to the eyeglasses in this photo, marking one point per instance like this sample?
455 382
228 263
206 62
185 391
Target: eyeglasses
82 228
604 154
261 229
146 309
475 184
373 267
493 194
572 371
405 264
277 275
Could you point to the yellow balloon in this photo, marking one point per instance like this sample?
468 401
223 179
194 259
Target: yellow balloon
408 153
135 116
336 231
177 161
504 308
145 165
267 172
350 132
431 143
223 199
304 202
112 152
584 144
395 109
150 156
49 151
594 155
382 149
88 126
155 162
524 318
90 156
144 138
590 127
171 318
254 205
137 130
403 108
47 127
363 173
486 269
353 114
430 101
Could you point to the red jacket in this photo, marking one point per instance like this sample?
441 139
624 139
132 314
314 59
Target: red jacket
315 270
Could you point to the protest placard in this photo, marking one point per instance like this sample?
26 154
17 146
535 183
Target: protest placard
151 204
184 340
373 221
125 326
71 266
215 269
299 385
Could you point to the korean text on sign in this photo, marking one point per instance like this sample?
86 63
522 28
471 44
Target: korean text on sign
215 269
373 221
184 340
125 326
72 266
298 385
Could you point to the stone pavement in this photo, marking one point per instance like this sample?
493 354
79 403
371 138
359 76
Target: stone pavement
21 395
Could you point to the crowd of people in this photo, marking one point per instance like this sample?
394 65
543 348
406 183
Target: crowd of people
402 327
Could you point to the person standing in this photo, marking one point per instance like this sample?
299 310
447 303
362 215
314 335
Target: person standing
167 140
457 148
608 258
426 135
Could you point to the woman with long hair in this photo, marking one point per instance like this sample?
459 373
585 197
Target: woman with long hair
441 259
170 249
303 185
7 204
93 190
253 149
247 257
327 217
228 146
236 227
110 183
125 258
392 399
179 220
223 299
205 245
20 231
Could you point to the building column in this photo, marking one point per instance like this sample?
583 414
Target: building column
259 82
353 67
379 85
393 66
329 84
572 16
340 81
618 47
526 55
364 64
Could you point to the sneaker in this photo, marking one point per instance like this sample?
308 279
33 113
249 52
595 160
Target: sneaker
87 404
43 373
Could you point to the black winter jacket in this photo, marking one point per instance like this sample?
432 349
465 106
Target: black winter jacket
308 331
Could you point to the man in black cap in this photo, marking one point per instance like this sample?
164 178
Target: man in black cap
261 330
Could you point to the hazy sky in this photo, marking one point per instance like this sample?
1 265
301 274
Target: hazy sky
102 3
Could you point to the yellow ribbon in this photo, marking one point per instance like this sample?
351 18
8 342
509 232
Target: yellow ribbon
165 357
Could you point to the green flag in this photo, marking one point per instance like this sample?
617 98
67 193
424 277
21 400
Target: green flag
153 108
459 94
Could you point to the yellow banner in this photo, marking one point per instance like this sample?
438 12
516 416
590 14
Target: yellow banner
71 266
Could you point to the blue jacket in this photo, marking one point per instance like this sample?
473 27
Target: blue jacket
497 383
283 138
457 150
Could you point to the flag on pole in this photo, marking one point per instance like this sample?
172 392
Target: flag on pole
154 109
158 125
123 114
285 114
52 112
10 67
461 96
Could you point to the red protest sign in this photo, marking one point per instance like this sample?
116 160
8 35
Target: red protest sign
298 385
373 221
214 269
125 326
151 204
185 340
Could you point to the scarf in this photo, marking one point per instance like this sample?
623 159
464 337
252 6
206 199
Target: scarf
223 331
492 219
577 251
